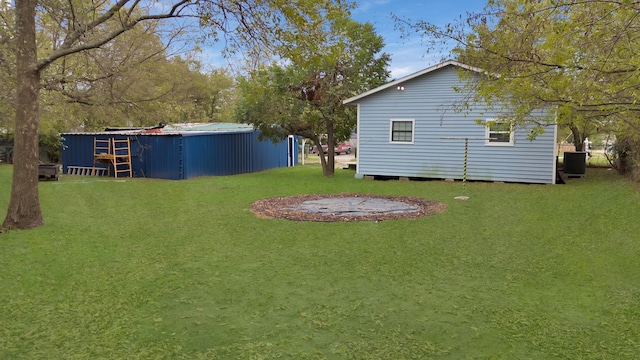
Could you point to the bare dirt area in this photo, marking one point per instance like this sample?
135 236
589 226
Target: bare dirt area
340 161
345 207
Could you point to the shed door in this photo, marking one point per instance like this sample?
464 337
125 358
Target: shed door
291 150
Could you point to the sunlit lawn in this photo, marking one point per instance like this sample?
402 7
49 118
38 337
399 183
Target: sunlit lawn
157 269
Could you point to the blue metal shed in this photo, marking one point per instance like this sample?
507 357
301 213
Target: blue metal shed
186 153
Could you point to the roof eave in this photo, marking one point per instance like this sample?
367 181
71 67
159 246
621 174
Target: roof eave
409 77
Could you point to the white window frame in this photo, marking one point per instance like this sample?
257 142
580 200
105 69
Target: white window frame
413 131
487 133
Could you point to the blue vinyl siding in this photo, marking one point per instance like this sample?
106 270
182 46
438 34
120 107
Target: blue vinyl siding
428 100
178 156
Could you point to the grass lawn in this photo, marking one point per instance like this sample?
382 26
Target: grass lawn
158 269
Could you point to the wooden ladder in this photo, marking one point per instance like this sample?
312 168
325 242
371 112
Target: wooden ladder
115 153
122 155
86 170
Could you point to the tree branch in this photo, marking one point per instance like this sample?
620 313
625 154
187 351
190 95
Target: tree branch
69 45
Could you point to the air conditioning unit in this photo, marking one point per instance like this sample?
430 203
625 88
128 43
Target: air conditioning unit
575 163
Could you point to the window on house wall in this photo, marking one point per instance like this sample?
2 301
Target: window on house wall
402 131
498 133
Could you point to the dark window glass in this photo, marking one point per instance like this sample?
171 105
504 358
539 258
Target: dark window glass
402 131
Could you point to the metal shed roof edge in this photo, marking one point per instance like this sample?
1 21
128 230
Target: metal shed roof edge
166 133
179 129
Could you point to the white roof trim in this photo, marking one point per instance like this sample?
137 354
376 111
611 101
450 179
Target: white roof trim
409 77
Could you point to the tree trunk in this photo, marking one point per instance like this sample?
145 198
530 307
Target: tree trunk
321 156
331 155
578 139
24 206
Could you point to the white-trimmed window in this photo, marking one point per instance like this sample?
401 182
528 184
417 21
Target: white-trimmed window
401 131
498 133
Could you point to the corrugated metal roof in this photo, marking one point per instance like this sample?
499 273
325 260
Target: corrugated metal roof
119 132
216 127
180 129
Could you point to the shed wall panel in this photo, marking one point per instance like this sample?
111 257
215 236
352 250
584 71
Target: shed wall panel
78 150
159 157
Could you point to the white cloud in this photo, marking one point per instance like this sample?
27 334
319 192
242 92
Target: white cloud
409 56
365 6
401 71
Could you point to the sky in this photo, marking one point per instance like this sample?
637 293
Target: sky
407 55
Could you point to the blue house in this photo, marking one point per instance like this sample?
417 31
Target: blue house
185 152
409 128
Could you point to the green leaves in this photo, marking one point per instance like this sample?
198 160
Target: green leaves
572 55
576 58
328 60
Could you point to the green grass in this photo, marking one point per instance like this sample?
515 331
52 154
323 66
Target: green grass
156 269
598 158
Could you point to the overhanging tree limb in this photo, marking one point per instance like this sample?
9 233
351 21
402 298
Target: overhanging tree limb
68 46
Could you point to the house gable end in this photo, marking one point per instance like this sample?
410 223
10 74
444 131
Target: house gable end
399 83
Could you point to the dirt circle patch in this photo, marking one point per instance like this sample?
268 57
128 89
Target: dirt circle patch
345 207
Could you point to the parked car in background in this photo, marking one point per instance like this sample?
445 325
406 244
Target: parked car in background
341 148
314 149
